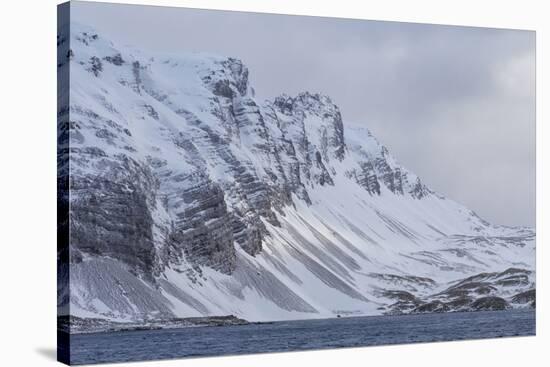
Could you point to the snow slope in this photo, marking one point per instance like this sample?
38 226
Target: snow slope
188 197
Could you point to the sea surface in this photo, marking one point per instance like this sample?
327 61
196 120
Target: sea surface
298 335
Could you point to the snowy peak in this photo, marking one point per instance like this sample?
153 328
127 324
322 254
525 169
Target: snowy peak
378 167
228 79
318 117
308 127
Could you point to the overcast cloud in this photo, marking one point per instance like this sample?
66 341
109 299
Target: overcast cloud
456 105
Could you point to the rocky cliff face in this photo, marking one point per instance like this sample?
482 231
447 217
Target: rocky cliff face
188 197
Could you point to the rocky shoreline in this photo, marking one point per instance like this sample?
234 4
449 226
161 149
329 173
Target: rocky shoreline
79 325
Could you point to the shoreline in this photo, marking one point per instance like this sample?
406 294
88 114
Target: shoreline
74 325
100 326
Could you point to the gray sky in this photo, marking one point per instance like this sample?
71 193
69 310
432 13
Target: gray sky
456 105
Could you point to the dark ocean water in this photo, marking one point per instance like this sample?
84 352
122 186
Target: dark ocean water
298 335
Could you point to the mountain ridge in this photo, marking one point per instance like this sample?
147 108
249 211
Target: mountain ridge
189 198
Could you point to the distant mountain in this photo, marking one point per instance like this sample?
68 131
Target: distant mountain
188 197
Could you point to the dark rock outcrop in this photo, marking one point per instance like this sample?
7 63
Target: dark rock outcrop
490 304
110 214
527 297
203 231
433 306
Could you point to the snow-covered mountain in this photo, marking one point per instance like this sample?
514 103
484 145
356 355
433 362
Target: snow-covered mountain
189 197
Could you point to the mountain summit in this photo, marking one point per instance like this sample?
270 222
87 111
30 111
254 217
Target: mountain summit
188 197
